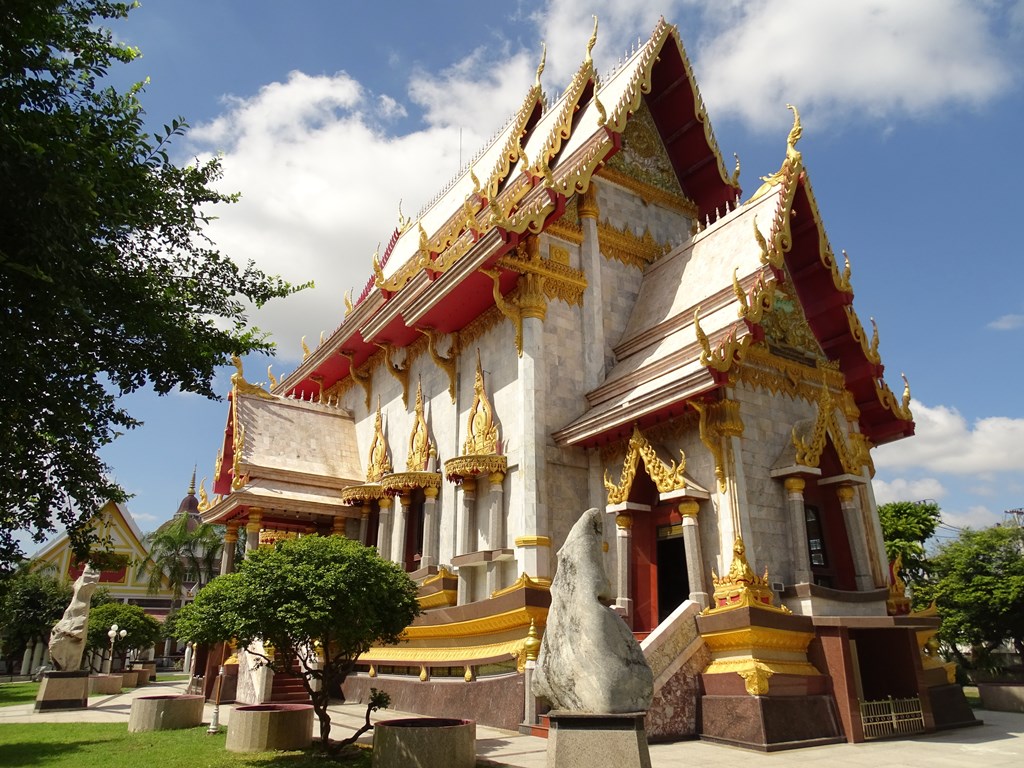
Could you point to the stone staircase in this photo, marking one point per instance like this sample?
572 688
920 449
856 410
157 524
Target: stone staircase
288 688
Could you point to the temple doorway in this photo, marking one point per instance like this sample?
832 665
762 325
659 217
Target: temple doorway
673 582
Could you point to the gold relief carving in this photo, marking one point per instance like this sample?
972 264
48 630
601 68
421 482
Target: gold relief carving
532 301
586 203
477 328
358 495
403 482
532 214
424 675
431 493
786 326
566 229
533 541
481 428
468 676
401 374
868 346
624 521
795 484
379 463
667 477
755 679
508 307
419 440
759 302
269 537
442 574
204 500
729 351
364 379
523 582
517 618
239 383
763 370
718 420
854 453
741 587
446 364
559 255
764 642
674 201
845 493
625 247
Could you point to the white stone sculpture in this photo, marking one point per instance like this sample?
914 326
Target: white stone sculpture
589 660
68 636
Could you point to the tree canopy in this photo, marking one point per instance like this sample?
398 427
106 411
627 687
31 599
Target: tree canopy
32 600
181 557
141 629
978 584
318 600
107 280
906 526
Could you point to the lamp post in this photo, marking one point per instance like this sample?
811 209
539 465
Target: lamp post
113 633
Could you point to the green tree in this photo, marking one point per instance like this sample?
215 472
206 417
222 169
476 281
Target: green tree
107 280
318 600
141 629
32 600
906 526
182 558
978 584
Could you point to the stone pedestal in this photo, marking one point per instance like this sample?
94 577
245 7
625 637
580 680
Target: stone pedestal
63 690
266 727
426 742
583 740
109 685
165 713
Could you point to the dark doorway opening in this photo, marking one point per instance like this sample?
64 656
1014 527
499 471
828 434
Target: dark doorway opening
673 583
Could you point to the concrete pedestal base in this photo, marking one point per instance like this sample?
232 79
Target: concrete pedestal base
1001 697
580 740
770 723
63 690
266 727
105 684
165 713
424 742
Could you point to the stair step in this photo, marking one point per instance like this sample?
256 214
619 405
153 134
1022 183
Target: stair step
536 729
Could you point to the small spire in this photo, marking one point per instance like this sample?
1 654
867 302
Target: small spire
591 43
543 59
192 483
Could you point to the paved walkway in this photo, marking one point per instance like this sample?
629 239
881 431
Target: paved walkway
999 743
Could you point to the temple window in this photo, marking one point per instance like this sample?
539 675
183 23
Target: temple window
816 547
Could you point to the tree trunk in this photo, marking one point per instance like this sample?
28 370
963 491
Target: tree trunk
320 701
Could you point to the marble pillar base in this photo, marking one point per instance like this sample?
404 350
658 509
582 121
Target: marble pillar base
63 690
770 723
583 740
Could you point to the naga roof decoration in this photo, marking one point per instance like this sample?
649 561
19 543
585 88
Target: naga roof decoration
532 167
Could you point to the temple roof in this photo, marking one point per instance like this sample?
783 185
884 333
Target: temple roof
429 277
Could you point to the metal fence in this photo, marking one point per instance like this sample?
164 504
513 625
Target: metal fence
891 717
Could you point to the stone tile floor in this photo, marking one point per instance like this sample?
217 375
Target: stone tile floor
998 743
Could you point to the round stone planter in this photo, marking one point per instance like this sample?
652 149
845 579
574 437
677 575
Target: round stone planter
105 684
424 742
129 679
265 727
165 713
1002 697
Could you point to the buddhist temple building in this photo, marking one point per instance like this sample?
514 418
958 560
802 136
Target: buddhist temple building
594 314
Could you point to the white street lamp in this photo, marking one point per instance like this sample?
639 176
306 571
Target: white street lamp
113 633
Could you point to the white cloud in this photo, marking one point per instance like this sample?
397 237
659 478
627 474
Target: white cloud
946 443
901 489
1007 323
841 60
973 517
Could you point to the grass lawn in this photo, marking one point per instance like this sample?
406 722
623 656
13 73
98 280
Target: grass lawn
109 745
17 693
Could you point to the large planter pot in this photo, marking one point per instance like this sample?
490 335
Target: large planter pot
129 679
105 684
1002 697
165 713
424 742
264 727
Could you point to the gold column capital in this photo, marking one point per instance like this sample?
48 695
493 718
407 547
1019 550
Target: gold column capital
845 492
586 203
688 508
795 484
496 478
384 502
255 521
469 486
624 521
430 493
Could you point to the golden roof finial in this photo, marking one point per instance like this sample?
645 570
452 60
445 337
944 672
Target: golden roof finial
378 270
794 133
602 115
540 67
305 348
270 376
348 301
424 241
475 180
734 180
591 43
204 500
403 222
906 392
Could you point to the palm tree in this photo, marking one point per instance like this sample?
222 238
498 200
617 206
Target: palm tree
182 557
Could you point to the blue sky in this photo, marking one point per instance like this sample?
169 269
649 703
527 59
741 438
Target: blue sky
328 114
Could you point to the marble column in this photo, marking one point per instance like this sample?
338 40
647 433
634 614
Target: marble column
694 556
849 503
591 262
227 554
428 557
186 663
400 526
38 654
364 523
384 527
495 529
799 552
26 659
252 528
624 554
534 435
466 538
